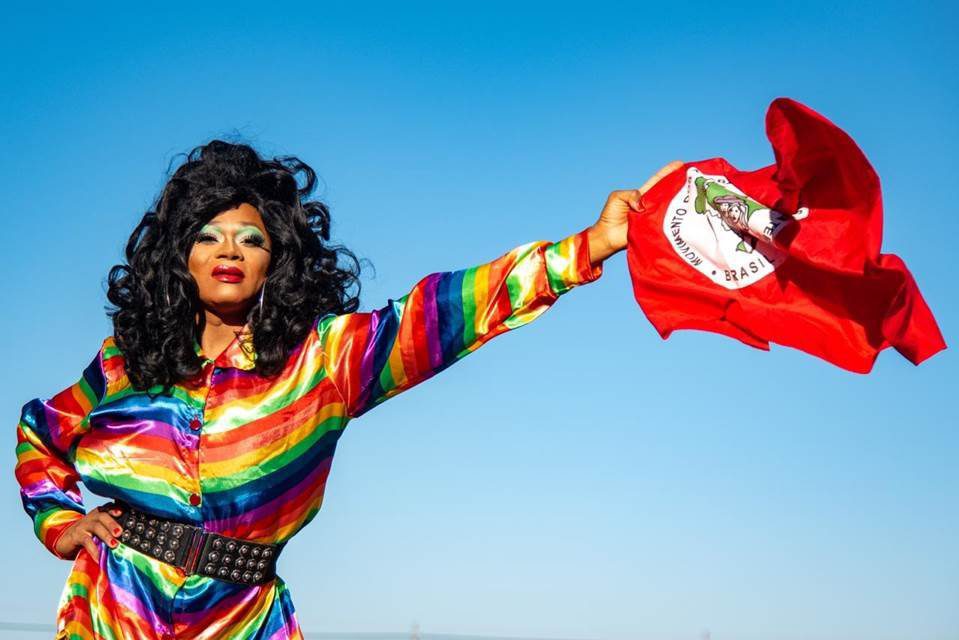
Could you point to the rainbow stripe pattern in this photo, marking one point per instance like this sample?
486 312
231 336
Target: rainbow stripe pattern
248 456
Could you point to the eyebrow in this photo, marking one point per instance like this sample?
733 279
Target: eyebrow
239 225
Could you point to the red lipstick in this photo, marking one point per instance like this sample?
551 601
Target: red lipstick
224 273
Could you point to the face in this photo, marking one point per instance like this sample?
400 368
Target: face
229 260
734 212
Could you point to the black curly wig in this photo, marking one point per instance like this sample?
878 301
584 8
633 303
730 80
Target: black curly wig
155 298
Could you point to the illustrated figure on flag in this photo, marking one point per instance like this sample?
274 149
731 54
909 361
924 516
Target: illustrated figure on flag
740 213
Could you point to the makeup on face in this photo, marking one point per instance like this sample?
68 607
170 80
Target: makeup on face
225 273
245 234
251 235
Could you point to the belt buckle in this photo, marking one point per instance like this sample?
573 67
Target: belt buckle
195 550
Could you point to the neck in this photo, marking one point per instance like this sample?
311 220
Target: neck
219 330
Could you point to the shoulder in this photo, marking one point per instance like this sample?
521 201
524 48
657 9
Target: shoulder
333 329
322 322
112 366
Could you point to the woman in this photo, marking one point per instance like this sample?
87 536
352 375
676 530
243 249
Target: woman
211 415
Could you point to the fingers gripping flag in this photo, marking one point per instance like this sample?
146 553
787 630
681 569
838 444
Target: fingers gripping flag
788 253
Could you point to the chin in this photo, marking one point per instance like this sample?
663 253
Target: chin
232 306
228 297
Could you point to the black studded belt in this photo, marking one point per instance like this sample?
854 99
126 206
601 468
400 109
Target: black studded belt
194 550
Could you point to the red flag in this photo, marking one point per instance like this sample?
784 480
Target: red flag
788 253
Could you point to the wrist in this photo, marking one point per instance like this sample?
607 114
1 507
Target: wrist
58 535
601 243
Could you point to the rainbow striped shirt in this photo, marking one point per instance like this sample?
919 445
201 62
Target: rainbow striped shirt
244 455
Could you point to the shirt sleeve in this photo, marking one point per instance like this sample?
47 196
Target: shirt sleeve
46 435
372 356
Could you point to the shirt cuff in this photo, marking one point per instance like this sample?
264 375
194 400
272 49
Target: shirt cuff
568 264
51 525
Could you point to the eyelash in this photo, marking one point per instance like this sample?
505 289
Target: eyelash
203 237
256 241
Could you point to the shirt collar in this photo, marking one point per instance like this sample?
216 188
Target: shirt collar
239 354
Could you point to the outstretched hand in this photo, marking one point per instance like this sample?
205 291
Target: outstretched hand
608 234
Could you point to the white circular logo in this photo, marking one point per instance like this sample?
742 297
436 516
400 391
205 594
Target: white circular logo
722 232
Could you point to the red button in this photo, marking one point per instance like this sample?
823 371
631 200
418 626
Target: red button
195 424
194 499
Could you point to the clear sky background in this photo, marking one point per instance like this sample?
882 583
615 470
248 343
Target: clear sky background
579 477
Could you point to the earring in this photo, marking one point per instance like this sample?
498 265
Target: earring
260 303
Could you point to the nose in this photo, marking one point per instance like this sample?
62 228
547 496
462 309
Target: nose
230 250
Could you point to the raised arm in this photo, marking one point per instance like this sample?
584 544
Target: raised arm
372 356
44 468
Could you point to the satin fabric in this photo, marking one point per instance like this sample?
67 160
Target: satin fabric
247 456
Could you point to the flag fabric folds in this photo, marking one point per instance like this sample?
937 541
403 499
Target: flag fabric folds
786 254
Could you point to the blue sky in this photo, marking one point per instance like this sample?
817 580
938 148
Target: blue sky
579 477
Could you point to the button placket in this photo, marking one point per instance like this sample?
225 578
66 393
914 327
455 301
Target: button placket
196 424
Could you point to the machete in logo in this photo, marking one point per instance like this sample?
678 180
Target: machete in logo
722 232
